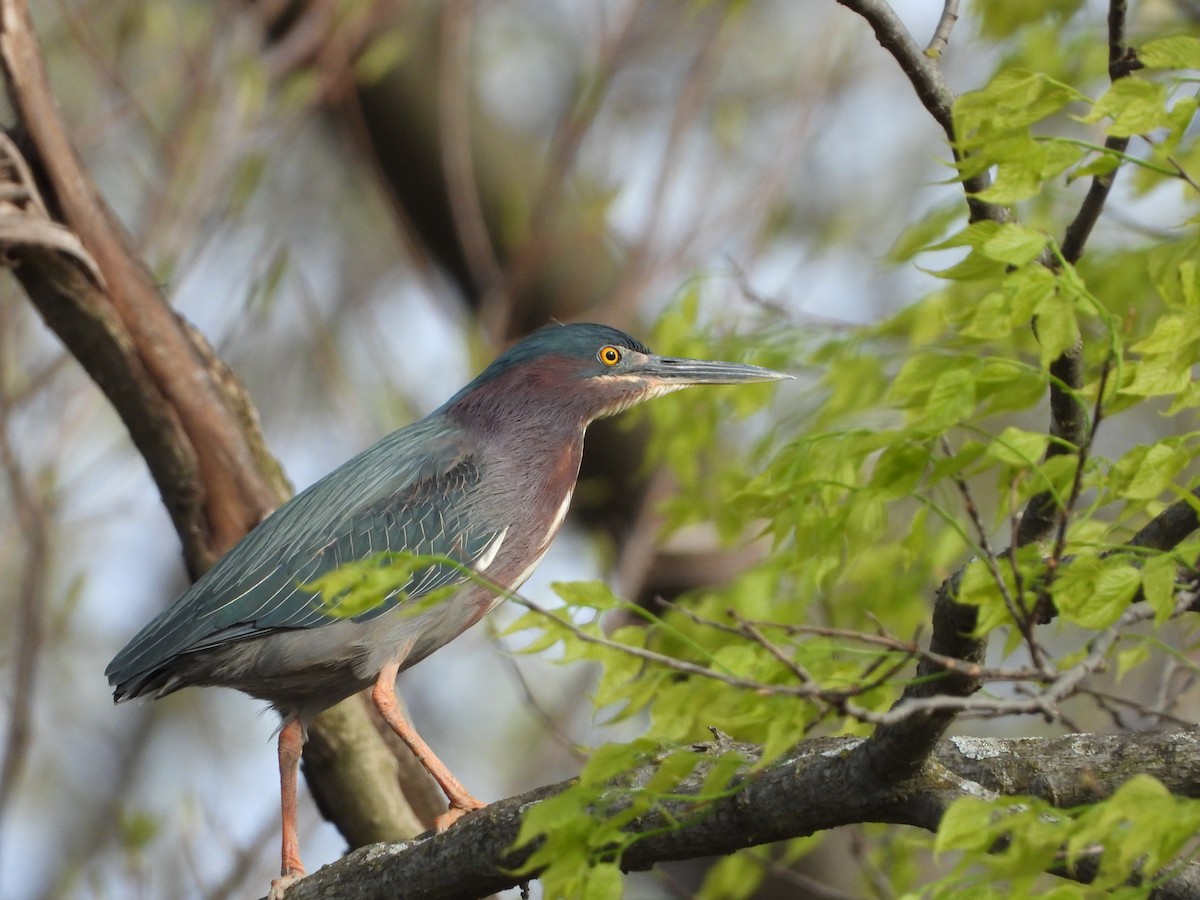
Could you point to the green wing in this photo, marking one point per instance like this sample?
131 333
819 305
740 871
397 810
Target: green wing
385 499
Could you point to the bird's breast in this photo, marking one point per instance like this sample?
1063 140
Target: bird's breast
531 515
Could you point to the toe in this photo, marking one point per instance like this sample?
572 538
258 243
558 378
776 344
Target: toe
281 884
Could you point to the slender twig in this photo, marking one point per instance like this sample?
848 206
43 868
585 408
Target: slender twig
1159 713
910 648
1183 173
1060 541
1013 600
941 34
572 128
705 65
454 116
1029 621
751 630
1057 686
1105 150
29 626
926 78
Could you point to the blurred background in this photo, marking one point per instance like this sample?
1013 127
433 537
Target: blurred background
359 204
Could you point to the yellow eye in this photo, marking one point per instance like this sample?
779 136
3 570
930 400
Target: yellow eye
609 355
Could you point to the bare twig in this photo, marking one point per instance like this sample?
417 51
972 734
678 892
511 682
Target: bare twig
1014 600
751 630
28 628
927 79
462 190
941 34
1057 685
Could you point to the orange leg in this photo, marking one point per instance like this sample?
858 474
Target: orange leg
291 743
384 697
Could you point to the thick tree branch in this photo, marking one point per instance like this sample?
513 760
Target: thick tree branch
1166 530
815 787
234 496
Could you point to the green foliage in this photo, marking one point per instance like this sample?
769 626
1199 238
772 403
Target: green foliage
1001 18
578 836
862 508
1141 828
993 129
922 441
357 587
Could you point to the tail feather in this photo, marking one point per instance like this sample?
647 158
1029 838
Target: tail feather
154 683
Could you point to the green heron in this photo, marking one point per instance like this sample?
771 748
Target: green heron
484 481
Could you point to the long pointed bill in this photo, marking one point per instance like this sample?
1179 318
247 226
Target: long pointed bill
682 372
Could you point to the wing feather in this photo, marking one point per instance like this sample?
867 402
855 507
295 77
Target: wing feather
386 498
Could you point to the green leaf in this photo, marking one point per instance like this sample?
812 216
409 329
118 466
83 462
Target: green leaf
975 235
951 399
595 595
1093 592
1013 100
1012 182
1057 329
1135 105
965 826
1158 584
1130 659
921 234
1163 374
735 876
1014 244
1100 164
1177 52
604 881
357 587
1145 472
1170 333
899 469
1003 18
1017 447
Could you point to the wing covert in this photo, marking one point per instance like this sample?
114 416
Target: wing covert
419 503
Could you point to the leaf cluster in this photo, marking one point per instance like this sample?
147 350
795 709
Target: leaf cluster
922 444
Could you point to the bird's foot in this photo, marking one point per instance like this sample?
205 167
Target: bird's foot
458 809
281 884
